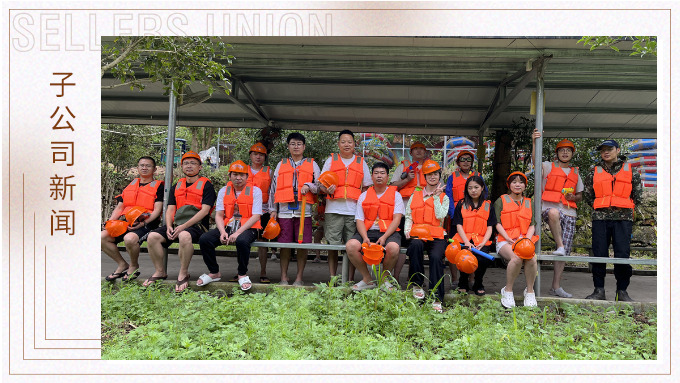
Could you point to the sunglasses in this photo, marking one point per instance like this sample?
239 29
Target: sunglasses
465 159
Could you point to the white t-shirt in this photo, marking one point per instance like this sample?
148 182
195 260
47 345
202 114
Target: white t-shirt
566 210
345 206
359 213
257 203
283 211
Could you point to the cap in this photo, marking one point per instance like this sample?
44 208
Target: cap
417 144
611 143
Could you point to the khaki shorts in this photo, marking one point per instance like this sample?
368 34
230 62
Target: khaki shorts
339 228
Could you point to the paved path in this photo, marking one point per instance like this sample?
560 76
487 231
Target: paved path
641 289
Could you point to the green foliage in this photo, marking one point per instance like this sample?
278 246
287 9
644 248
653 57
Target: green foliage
328 323
178 60
642 45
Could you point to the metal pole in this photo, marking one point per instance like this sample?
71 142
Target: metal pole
169 156
219 131
538 169
445 162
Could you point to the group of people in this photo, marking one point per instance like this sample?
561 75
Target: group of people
365 206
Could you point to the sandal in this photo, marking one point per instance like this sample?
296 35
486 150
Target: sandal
115 275
205 279
480 292
151 280
363 286
181 282
245 283
131 277
418 293
265 280
437 306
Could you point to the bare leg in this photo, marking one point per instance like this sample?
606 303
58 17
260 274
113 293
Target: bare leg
354 255
401 259
514 266
391 256
558 268
262 255
333 262
110 249
132 247
555 228
186 251
301 262
285 260
530 268
155 243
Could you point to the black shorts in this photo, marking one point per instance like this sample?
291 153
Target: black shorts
374 235
195 232
264 219
141 232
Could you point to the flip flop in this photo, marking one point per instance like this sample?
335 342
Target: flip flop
151 280
265 280
480 292
116 275
363 286
180 283
206 279
131 277
245 281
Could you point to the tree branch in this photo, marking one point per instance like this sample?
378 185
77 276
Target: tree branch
122 56
145 80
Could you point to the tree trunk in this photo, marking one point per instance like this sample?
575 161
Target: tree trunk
501 163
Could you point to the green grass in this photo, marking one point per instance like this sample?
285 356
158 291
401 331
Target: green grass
330 324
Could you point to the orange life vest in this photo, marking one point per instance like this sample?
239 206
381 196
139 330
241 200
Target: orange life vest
261 179
144 196
422 212
284 183
417 181
458 185
475 223
613 190
379 208
192 195
515 218
556 181
244 202
350 178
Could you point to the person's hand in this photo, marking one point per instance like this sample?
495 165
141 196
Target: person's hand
331 189
381 241
469 244
304 189
366 240
224 237
570 197
232 238
136 226
170 233
272 215
479 247
411 175
439 189
407 235
536 134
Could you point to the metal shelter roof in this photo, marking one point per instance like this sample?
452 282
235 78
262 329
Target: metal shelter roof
413 85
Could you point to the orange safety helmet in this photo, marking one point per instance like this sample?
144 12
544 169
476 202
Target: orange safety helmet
417 144
467 262
259 148
421 231
464 152
373 253
524 248
526 180
116 227
329 178
134 213
191 154
452 251
565 144
430 166
238 167
271 230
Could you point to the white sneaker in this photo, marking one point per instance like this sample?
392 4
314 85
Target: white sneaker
560 293
529 299
507 299
560 251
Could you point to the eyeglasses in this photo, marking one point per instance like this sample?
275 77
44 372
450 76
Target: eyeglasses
296 144
145 166
563 150
465 159
193 163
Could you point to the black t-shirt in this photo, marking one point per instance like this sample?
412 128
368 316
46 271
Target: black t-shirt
458 216
160 196
208 198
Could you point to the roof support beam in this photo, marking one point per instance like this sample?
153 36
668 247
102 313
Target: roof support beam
235 85
497 110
